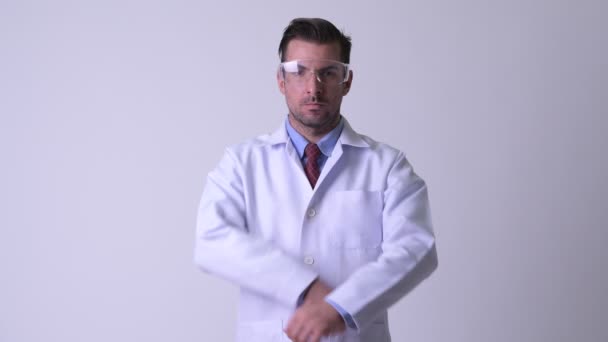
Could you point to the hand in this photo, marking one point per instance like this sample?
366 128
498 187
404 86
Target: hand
315 318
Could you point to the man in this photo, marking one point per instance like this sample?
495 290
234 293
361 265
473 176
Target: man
321 228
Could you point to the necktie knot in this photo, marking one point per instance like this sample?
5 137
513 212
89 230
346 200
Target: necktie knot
311 168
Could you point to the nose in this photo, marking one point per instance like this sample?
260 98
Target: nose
314 86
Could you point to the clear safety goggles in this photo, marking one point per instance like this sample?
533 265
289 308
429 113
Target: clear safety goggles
326 71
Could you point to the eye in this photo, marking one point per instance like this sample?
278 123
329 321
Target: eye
302 70
329 73
292 68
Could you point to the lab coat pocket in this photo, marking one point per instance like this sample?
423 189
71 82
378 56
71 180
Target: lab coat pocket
355 220
261 331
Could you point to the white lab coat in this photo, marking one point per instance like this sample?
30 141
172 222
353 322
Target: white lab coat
365 229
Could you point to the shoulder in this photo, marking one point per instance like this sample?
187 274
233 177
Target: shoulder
242 150
365 144
379 146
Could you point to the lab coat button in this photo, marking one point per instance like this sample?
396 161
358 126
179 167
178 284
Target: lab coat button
311 212
308 260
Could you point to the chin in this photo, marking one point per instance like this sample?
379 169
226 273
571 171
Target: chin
314 119
317 123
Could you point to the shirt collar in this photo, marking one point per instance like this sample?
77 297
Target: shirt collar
326 144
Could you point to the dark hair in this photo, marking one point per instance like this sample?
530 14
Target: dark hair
315 30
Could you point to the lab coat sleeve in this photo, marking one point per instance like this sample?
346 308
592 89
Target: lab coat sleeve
408 250
226 248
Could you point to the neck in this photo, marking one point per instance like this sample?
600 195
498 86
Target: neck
313 134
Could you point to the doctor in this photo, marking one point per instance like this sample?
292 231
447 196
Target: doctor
322 228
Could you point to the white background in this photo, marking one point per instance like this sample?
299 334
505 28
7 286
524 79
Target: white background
113 112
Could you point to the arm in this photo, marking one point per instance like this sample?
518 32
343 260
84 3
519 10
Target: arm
408 250
226 248
408 257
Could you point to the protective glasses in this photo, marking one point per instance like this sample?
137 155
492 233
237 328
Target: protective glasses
326 71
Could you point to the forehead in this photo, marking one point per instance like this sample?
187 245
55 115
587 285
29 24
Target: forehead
301 49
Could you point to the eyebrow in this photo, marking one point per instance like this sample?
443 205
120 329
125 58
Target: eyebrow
290 66
329 67
294 66
300 66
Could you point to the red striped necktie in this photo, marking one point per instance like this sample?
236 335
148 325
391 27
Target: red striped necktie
311 168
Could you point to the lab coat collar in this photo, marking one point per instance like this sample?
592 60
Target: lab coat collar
348 136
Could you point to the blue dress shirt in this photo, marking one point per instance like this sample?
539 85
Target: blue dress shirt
326 145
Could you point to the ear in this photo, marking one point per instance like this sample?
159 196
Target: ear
347 84
281 82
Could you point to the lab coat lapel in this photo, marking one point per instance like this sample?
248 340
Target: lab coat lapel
329 164
280 136
295 161
347 137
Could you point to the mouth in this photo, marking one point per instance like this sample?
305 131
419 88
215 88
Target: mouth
313 108
315 104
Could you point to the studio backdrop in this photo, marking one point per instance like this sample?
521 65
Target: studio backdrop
113 112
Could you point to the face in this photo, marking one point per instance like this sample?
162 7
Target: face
313 106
